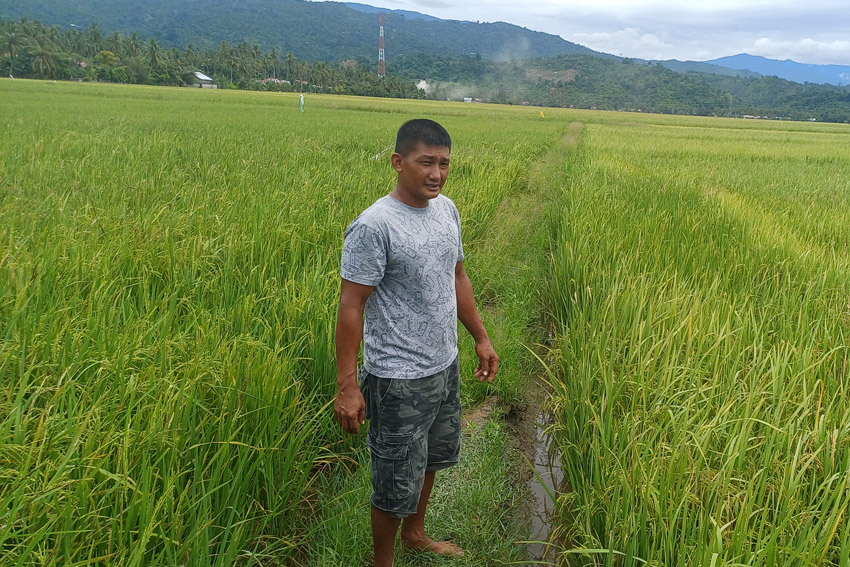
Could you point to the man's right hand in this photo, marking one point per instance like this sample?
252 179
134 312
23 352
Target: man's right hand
350 409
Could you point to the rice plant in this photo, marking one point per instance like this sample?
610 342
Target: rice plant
700 287
169 270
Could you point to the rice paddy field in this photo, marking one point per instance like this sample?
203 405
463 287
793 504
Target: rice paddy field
702 294
169 271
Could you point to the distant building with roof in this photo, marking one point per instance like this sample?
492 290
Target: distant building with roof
203 82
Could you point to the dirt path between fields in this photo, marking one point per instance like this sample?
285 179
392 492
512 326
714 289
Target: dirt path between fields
517 224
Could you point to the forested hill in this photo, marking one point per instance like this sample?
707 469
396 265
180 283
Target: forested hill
315 31
584 81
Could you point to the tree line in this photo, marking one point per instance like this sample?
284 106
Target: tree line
29 49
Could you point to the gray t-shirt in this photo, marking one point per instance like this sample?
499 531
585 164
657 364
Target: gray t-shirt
409 254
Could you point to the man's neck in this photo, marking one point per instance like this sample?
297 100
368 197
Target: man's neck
405 198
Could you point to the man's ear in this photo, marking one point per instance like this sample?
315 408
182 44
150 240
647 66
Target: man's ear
396 161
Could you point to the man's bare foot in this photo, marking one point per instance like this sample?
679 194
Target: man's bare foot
439 547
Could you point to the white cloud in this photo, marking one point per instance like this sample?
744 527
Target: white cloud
808 32
628 42
807 50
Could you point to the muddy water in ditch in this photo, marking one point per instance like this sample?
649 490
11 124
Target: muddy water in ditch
547 480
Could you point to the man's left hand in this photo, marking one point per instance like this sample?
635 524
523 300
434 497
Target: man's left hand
488 361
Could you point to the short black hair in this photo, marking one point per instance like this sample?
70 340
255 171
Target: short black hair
422 130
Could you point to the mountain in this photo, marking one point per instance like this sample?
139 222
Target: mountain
744 65
316 31
406 13
704 67
791 70
588 81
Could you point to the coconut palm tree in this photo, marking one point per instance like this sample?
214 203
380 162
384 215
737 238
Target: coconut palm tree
54 36
243 59
226 56
134 45
301 70
115 43
274 58
95 39
190 55
28 27
176 57
255 58
290 65
11 42
43 57
76 42
322 74
154 54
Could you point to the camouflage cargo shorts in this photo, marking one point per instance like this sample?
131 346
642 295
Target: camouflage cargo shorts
414 427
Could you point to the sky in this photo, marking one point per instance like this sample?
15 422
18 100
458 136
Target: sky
811 31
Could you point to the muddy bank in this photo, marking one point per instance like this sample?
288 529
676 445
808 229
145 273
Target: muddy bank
537 468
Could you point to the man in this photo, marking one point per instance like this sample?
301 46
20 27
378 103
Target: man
402 265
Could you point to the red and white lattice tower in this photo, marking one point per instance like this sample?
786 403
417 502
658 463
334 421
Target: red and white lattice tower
382 65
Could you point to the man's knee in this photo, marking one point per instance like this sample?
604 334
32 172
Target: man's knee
398 472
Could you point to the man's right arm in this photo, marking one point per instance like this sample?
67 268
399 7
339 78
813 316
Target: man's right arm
350 407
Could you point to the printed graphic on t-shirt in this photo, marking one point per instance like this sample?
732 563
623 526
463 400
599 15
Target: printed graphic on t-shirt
409 255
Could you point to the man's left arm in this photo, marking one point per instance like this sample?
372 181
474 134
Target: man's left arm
467 312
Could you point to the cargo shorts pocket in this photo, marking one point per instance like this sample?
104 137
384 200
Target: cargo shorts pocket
385 388
363 378
391 471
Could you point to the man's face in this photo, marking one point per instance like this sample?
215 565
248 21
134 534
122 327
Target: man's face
422 173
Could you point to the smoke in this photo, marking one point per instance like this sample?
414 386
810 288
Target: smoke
515 50
451 91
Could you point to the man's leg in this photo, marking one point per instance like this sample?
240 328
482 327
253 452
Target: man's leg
443 447
384 528
388 431
413 527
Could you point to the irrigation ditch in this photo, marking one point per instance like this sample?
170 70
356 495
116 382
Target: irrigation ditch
522 219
